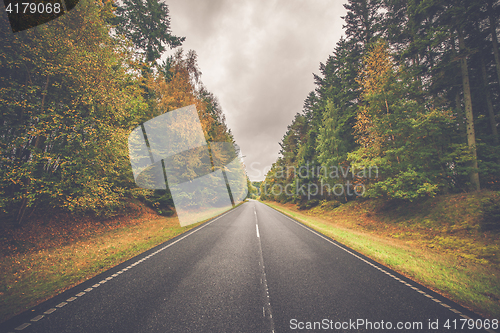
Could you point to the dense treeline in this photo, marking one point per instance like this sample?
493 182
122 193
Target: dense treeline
70 93
405 107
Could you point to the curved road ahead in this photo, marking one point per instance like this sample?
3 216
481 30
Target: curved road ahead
250 270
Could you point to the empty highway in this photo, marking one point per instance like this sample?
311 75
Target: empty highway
252 269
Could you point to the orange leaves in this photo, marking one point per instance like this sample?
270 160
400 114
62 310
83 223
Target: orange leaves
177 93
377 69
376 79
180 91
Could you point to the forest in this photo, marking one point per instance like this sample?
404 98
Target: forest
410 93
406 107
72 90
396 150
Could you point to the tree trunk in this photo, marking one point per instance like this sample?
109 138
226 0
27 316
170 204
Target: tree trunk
471 135
494 38
491 112
487 94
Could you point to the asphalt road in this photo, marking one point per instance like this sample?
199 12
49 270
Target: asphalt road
249 270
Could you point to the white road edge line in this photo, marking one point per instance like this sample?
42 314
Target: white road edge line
60 305
366 261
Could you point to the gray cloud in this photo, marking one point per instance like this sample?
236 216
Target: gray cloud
258 57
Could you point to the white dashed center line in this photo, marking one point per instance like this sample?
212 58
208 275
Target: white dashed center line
266 309
37 318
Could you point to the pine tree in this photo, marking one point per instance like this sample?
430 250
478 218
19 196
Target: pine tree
363 21
147 24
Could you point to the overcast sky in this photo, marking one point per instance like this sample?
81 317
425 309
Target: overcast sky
258 57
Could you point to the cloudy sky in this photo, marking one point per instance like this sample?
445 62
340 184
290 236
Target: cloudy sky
258 57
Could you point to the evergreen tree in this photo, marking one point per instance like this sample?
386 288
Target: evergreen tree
363 21
430 94
147 24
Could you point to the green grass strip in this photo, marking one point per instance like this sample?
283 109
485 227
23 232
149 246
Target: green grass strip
470 284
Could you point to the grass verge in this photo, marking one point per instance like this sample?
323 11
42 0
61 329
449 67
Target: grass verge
459 263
